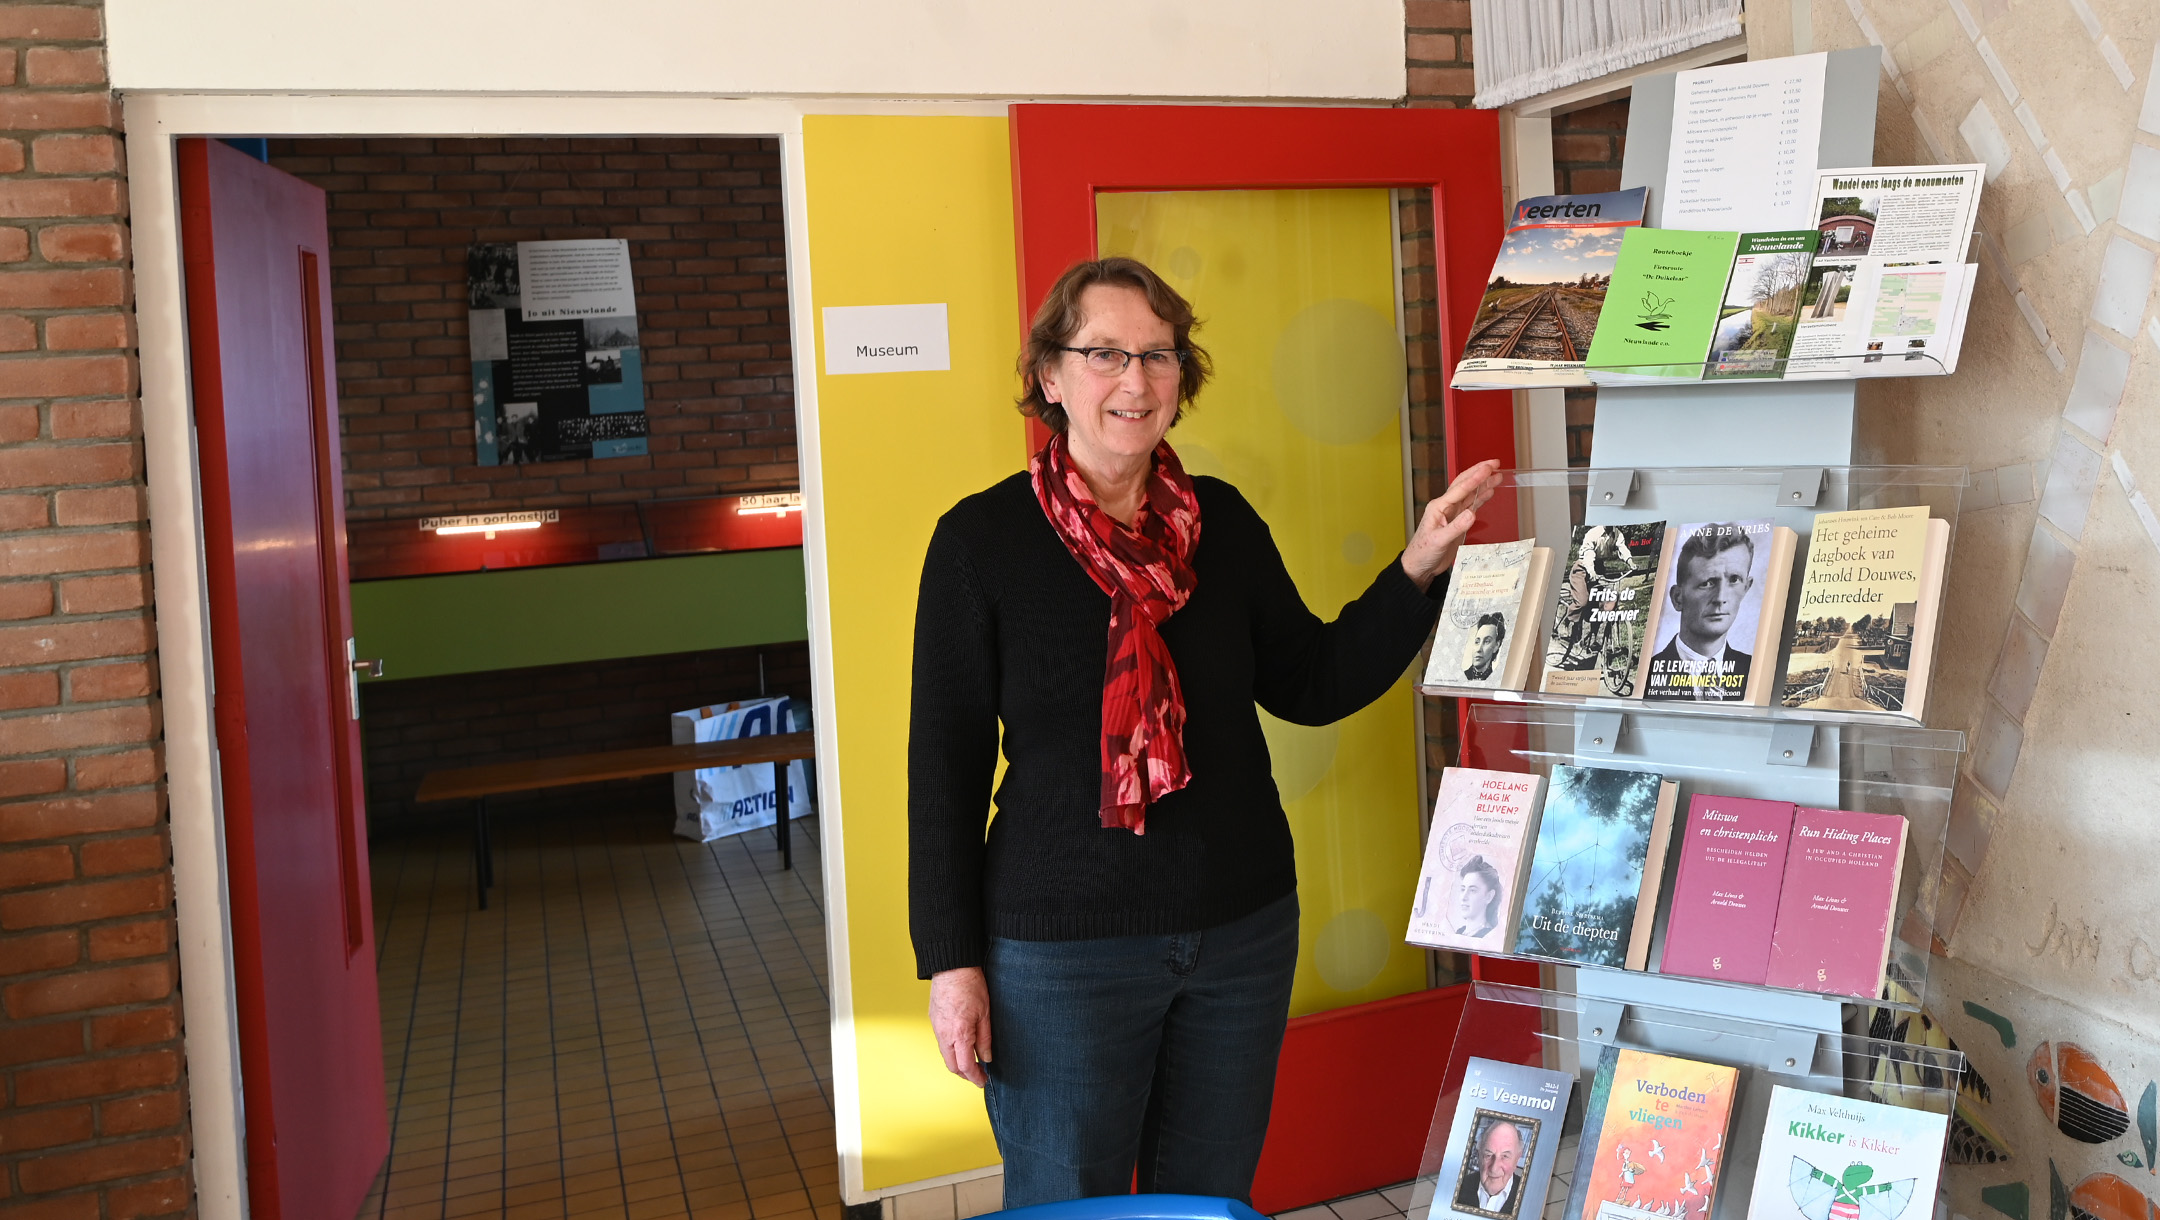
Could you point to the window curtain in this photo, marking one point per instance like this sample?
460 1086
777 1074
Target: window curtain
1529 47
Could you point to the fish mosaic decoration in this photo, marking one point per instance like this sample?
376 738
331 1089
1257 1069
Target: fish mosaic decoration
2076 1093
1894 1075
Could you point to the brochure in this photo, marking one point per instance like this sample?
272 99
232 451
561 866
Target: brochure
1890 284
1541 305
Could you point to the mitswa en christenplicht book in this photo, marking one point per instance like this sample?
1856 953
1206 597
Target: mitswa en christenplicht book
1503 1141
1864 634
1653 1138
1484 638
1606 612
1540 309
1837 905
1598 866
1725 896
1826 1157
1469 892
1724 608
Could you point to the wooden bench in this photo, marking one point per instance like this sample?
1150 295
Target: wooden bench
477 784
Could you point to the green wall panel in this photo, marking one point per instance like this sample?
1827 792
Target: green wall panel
473 621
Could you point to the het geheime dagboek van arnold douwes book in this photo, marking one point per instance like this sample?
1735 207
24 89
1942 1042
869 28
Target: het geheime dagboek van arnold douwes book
1534 325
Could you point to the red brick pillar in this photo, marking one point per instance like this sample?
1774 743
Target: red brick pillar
93 1116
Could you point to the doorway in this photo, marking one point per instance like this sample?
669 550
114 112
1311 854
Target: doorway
639 1019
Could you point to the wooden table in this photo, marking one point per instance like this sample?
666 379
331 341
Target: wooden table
477 784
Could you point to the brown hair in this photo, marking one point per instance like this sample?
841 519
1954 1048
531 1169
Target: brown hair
1061 318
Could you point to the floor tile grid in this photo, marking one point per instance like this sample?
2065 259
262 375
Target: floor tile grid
631 1109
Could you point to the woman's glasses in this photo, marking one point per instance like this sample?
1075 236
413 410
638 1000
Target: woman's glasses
1162 364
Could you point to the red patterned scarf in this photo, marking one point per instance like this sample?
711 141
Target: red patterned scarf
1146 568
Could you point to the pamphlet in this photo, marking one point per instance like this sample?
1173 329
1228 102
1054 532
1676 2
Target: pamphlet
1533 326
1662 307
1890 284
1761 310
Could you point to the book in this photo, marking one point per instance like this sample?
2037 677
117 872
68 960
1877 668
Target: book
1597 867
1662 306
1482 639
1864 636
1725 894
1836 906
1606 610
1653 1138
1724 609
1503 1141
1826 1157
1760 313
1469 892
1534 325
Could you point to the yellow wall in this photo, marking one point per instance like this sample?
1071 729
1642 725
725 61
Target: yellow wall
1296 294
903 210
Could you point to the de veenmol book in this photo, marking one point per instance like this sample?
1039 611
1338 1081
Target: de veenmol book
1598 866
1469 892
1503 1141
1717 632
1606 612
1837 906
1485 638
1653 1138
1864 636
1725 895
1826 1157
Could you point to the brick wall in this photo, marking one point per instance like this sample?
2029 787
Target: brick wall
708 254
462 720
92 1117
1437 52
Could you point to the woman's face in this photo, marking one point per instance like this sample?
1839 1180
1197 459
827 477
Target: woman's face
1121 417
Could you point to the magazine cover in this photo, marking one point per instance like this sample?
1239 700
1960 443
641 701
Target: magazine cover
1540 309
1826 1157
1713 609
1608 597
1504 1140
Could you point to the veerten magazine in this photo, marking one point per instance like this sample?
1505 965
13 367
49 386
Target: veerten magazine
1534 325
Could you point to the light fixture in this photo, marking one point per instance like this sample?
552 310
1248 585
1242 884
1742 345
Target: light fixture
776 504
489 523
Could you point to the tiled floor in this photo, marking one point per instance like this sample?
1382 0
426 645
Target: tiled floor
637 1027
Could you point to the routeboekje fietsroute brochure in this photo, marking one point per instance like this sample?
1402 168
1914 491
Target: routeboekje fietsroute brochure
1540 308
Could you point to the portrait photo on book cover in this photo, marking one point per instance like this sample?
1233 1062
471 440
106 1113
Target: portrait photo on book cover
1712 608
1495 1164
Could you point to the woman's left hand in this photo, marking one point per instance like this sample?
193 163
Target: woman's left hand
1447 519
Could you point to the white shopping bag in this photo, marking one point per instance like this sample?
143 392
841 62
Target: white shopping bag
719 801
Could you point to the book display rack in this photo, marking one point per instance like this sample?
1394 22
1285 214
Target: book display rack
1775 1099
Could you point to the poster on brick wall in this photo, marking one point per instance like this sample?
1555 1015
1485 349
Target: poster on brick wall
556 372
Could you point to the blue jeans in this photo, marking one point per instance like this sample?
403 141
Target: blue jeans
1154 1053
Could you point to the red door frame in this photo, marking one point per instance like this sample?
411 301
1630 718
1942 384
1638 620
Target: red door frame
1063 155
1356 1086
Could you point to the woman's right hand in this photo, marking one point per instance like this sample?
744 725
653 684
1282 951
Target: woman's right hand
960 1013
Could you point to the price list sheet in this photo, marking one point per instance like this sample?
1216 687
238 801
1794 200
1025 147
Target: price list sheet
1744 138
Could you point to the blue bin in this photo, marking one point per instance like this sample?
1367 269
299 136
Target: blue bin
1138 1207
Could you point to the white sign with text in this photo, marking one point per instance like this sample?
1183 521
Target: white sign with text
886 339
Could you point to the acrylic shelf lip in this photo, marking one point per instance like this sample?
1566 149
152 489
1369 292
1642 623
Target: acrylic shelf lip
1854 366
1886 1000
1772 714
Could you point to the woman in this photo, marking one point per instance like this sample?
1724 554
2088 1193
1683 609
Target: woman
1128 929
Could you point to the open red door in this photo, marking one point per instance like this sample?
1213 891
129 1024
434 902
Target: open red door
257 253
1356 1085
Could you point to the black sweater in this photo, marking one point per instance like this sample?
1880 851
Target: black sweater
1009 628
